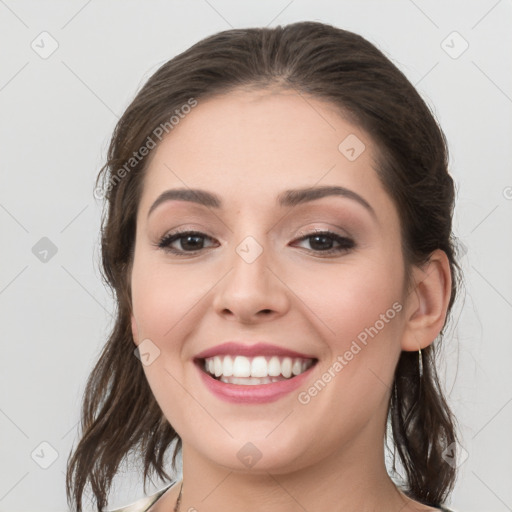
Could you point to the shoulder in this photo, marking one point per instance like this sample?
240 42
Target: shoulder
143 504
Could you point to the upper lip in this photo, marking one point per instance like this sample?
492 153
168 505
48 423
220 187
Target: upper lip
237 348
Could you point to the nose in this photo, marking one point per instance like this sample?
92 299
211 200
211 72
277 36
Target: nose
252 291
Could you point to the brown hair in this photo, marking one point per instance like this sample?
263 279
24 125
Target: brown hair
119 412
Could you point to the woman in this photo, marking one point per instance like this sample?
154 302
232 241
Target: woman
279 241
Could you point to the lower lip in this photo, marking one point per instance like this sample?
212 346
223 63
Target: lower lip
255 394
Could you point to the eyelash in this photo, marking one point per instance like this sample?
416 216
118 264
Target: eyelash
346 244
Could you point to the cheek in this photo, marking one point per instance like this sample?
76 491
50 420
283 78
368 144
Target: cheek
358 309
162 296
351 298
361 313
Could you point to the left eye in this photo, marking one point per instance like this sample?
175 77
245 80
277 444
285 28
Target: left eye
322 242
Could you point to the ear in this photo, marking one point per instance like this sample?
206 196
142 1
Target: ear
427 302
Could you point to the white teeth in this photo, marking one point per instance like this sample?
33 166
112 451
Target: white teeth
227 366
286 367
249 381
217 365
274 367
297 367
241 367
256 370
259 367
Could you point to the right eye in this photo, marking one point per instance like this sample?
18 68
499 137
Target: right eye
190 242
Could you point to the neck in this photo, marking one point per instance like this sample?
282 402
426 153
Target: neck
354 477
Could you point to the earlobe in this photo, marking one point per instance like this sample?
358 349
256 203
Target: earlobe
427 302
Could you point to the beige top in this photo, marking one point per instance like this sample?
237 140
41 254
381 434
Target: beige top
143 504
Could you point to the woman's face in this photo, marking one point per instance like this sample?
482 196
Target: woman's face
259 271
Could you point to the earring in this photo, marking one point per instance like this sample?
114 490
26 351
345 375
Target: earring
420 363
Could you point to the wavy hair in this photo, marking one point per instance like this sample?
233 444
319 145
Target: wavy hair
119 412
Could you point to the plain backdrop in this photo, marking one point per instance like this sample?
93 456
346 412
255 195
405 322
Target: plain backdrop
69 69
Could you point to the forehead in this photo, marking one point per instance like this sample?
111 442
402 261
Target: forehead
251 145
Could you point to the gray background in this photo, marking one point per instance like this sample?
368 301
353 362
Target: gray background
57 113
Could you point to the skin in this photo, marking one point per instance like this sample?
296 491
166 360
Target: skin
246 147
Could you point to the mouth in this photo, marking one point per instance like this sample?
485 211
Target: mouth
253 371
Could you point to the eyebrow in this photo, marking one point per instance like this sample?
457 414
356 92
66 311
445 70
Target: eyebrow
288 198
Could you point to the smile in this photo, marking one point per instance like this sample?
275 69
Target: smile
252 371
241 387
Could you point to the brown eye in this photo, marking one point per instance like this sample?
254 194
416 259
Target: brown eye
189 242
327 242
